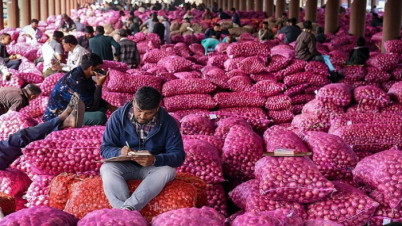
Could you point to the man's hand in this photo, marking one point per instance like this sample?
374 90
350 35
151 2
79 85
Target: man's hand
125 150
12 57
100 79
116 58
144 160
213 36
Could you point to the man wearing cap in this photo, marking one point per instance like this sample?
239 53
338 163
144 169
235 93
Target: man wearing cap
102 45
129 52
84 40
53 52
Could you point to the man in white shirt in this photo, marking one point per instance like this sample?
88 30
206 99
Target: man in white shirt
75 53
52 50
5 74
32 33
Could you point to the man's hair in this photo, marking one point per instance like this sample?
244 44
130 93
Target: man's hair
58 34
375 15
78 19
319 30
265 22
4 35
35 21
155 20
70 39
361 41
131 19
89 29
217 25
90 59
147 98
284 14
233 9
33 89
64 15
293 21
100 29
307 24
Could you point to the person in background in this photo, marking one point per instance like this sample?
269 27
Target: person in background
229 39
214 7
320 36
214 32
188 15
157 6
235 17
291 32
53 50
265 33
134 24
140 125
166 23
102 45
374 9
12 61
13 99
342 10
223 15
207 15
75 54
359 54
284 16
79 80
159 29
149 23
5 73
80 26
376 21
68 24
31 32
306 45
129 52
84 40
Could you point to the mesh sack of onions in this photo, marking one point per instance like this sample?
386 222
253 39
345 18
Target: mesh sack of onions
240 83
297 108
395 92
312 89
84 133
392 108
157 70
217 77
182 49
13 181
340 120
311 122
190 216
306 77
31 54
302 98
197 125
221 47
278 102
15 81
154 55
322 109
217 60
187 75
317 68
31 76
117 99
247 197
127 83
376 75
339 94
232 64
223 126
386 86
370 137
88 195
261 76
59 189
114 65
371 95
214 141
187 86
393 46
295 65
149 66
49 83
175 64
277 62
216 198
333 157
282 217
38 191
363 108
53 157
252 65
246 49
199 184
202 161
296 90
384 61
320 222
287 53
7 204
267 88
241 143
338 57
36 107
347 205
181 113
293 179
278 137
197 48
397 73
189 101
258 122
380 171
40 215
12 122
113 217
384 214
354 73
239 99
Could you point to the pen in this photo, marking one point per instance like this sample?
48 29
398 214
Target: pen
127 144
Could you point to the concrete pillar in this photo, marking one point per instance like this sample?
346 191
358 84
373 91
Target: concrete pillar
280 7
220 4
373 2
44 13
311 10
322 2
52 7
294 9
258 5
25 13
250 5
1 21
236 4
392 21
230 4
350 3
12 13
63 6
242 5
332 16
269 7
358 18
57 7
35 9
224 4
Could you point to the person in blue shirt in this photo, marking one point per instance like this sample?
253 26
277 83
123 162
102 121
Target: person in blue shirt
141 126
292 31
235 17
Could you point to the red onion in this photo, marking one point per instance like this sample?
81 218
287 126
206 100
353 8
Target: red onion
197 125
175 64
127 83
283 217
240 83
189 101
41 215
252 65
112 216
239 99
217 198
38 191
13 181
278 102
187 86
317 68
278 137
340 94
371 95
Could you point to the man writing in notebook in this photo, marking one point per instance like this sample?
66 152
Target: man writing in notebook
140 126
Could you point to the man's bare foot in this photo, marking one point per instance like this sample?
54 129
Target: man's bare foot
70 121
65 113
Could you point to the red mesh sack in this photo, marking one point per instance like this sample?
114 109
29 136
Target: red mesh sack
311 122
262 76
214 141
190 216
395 92
117 99
317 68
49 83
294 66
306 77
371 95
281 116
240 83
239 99
252 65
218 77
36 107
278 102
217 60
363 108
296 90
340 94
187 86
175 64
247 49
7 204
128 83
384 214
38 191
232 64
267 88
376 75
223 126
113 217
277 62
278 137
217 198
278 217
13 181
199 184
384 61
302 98
392 108
354 73
189 101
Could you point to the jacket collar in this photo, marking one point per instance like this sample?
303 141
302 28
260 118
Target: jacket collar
24 93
